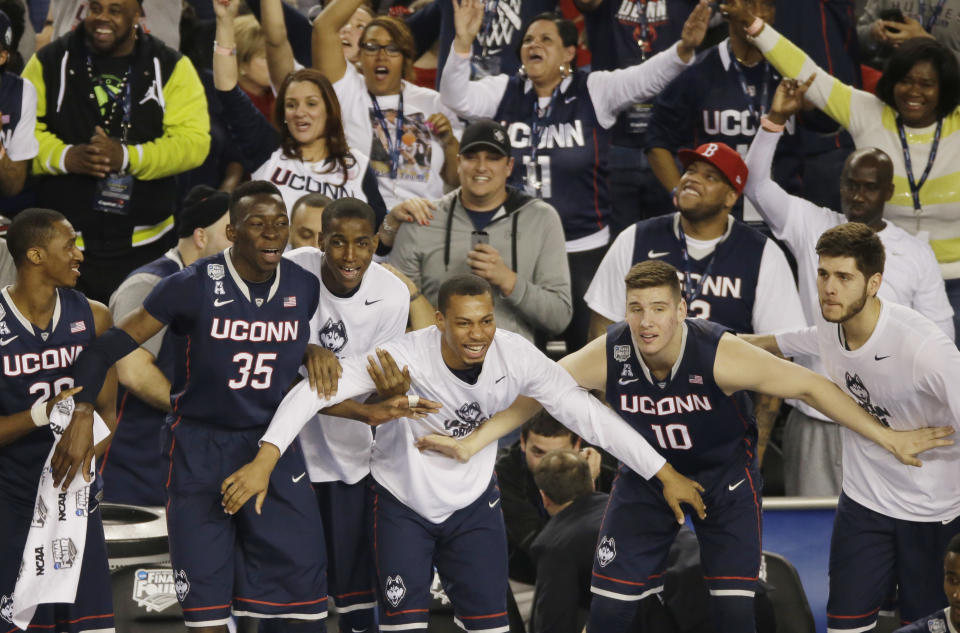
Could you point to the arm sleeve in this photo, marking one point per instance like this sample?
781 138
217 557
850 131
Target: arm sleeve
799 342
614 90
470 99
249 131
556 595
425 25
49 158
606 294
301 403
930 298
545 298
851 108
777 304
129 296
186 128
672 120
23 142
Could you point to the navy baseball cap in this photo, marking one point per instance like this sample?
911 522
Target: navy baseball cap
202 207
485 134
6 32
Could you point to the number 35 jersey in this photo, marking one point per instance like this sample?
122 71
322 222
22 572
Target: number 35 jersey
687 418
243 341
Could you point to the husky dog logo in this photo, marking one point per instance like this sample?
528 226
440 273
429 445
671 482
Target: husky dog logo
181 585
64 553
469 417
621 353
215 271
4 329
606 551
39 514
395 590
333 335
6 608
859 391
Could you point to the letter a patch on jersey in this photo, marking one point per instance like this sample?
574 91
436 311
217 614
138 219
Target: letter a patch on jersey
621 353
606 551
395 590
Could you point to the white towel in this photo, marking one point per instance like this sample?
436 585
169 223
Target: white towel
52 557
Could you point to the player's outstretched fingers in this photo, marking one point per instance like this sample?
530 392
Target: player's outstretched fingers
258 506
426 407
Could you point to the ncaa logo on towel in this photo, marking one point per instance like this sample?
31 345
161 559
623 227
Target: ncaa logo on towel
621 353
181 584
215 271
606 551
395 590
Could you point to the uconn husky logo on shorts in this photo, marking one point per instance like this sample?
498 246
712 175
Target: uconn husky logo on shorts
6 608
181 584
469 417
395 590
859 391
606 551
333 335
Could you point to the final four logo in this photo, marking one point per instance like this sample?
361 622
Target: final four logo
333 335
395 590
155 589
621 353
64 553
216 271
606 551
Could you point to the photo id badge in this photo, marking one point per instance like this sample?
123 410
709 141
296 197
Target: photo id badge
113 194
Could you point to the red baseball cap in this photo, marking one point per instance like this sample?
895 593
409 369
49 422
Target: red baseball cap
721 156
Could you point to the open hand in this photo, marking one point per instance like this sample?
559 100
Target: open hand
679 490
250 480
323 370
459 450
694 30
896 33
467 20
387 376
906 445
419 210
402 406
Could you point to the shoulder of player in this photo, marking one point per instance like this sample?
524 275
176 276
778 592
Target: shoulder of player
395 291
309 258
102 318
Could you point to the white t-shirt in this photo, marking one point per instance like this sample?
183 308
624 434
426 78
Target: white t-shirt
421 156
296 178
776 305
20 141
338 449
435 486
904 375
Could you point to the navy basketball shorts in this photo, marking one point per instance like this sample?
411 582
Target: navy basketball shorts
351 579
872 555
638 529
93 608
270 565
469 550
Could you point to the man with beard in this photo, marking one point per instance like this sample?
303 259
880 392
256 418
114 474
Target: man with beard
811 443
893 522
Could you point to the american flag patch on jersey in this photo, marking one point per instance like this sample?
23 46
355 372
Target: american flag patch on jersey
696 379
78 326
289 302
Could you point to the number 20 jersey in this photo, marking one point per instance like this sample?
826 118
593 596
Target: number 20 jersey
240 355
689 420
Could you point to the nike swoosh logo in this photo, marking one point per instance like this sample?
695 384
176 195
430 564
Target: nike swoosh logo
363 630
217 302
4 341
493 504
499 379
298 477
627 382
733 487
569 99
875 357
367 302
655 254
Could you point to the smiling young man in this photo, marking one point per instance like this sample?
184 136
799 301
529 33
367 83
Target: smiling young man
892 521
944 620
428 509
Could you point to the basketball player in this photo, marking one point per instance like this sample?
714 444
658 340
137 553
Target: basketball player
893 522
945 619
429 510
681 383
44 325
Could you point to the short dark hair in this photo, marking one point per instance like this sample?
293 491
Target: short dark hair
30 228
855 240
569 36
348 208
563 476
653 273
545 425
953 547
906 56
251 188
462 285
316 200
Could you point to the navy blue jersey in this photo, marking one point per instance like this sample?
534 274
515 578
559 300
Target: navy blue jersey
615 35
729 292
688 420
36 366
933 623
242 350
11 102
706 103
571 163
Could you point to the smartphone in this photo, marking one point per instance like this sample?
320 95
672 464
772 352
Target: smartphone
892 15
479 237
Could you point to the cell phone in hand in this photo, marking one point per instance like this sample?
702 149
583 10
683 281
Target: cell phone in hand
479 237
892 15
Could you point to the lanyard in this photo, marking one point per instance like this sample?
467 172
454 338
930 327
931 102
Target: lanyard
536 133
746 90
642 33
928 24
122 98
690 291
914 185
393 146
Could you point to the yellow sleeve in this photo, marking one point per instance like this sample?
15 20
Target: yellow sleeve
49 160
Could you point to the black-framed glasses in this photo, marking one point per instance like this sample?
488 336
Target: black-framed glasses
372 48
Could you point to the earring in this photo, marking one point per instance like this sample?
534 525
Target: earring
522 72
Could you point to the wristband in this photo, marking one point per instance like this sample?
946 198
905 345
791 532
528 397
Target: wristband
39 414
223 50
755 27
770 126
389 230
415 296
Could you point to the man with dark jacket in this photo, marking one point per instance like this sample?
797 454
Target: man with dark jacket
118 115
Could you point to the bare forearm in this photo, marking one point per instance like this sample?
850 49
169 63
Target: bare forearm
598 325
451 177
225 71
13 427
664 167
279 52
766 342
144 380
13 173
828 399
349 409
766 409
422 313
522 409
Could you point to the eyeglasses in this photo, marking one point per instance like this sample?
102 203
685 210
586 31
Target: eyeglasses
372 48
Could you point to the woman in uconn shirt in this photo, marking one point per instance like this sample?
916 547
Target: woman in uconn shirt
560 121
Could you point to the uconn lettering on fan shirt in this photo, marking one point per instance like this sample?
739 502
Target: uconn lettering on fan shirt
283 177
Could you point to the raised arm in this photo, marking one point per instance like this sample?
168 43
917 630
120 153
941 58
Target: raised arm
280 59
327 50
741 366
